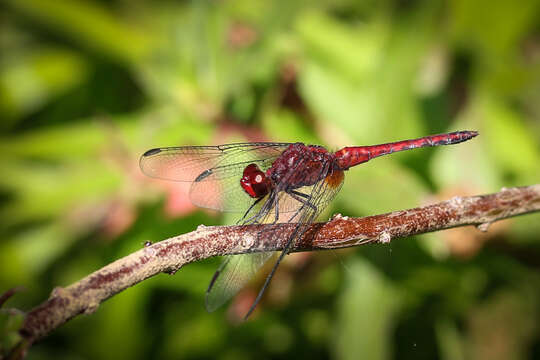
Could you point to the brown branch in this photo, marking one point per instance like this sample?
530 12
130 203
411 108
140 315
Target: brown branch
84 296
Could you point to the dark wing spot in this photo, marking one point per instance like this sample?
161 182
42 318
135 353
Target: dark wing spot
152 152
206 173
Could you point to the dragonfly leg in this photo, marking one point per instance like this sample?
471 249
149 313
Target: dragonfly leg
303 198
263 211
274 268
276 207
272 202
215 277
295 194
243 218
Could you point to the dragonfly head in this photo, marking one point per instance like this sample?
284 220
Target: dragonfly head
255 182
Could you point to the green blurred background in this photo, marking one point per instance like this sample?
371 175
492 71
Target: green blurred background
88 86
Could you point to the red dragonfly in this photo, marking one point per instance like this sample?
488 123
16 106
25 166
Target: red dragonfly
269 183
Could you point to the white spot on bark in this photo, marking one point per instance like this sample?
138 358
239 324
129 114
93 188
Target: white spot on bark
483 227
384 238
247 242
456 200
59 292
336 217
149 251
91 308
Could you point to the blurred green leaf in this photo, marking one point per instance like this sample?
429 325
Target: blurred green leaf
366 311
119 315
381 186
509 143
316 326
465 167
354 51
30 79
287 126
32 250
450 341
89 24
496 32
200 336
10 322
459 289
63 142
43 191
516 311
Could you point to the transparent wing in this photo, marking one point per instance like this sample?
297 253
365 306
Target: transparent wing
225 193
186 163
315 199
219 187
233 274
237 270
214 170
319 196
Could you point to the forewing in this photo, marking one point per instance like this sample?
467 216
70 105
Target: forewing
219 187
214 170
186 163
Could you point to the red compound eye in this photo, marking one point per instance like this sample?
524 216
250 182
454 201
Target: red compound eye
255 182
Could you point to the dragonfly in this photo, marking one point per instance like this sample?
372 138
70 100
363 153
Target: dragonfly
269 182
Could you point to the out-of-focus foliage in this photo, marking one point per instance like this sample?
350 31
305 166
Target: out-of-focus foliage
87 86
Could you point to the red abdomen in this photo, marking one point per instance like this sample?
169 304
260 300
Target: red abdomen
351 156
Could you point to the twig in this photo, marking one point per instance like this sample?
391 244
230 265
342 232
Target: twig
84 296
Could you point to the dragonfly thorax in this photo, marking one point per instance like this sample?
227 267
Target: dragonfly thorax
301 165
255 182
